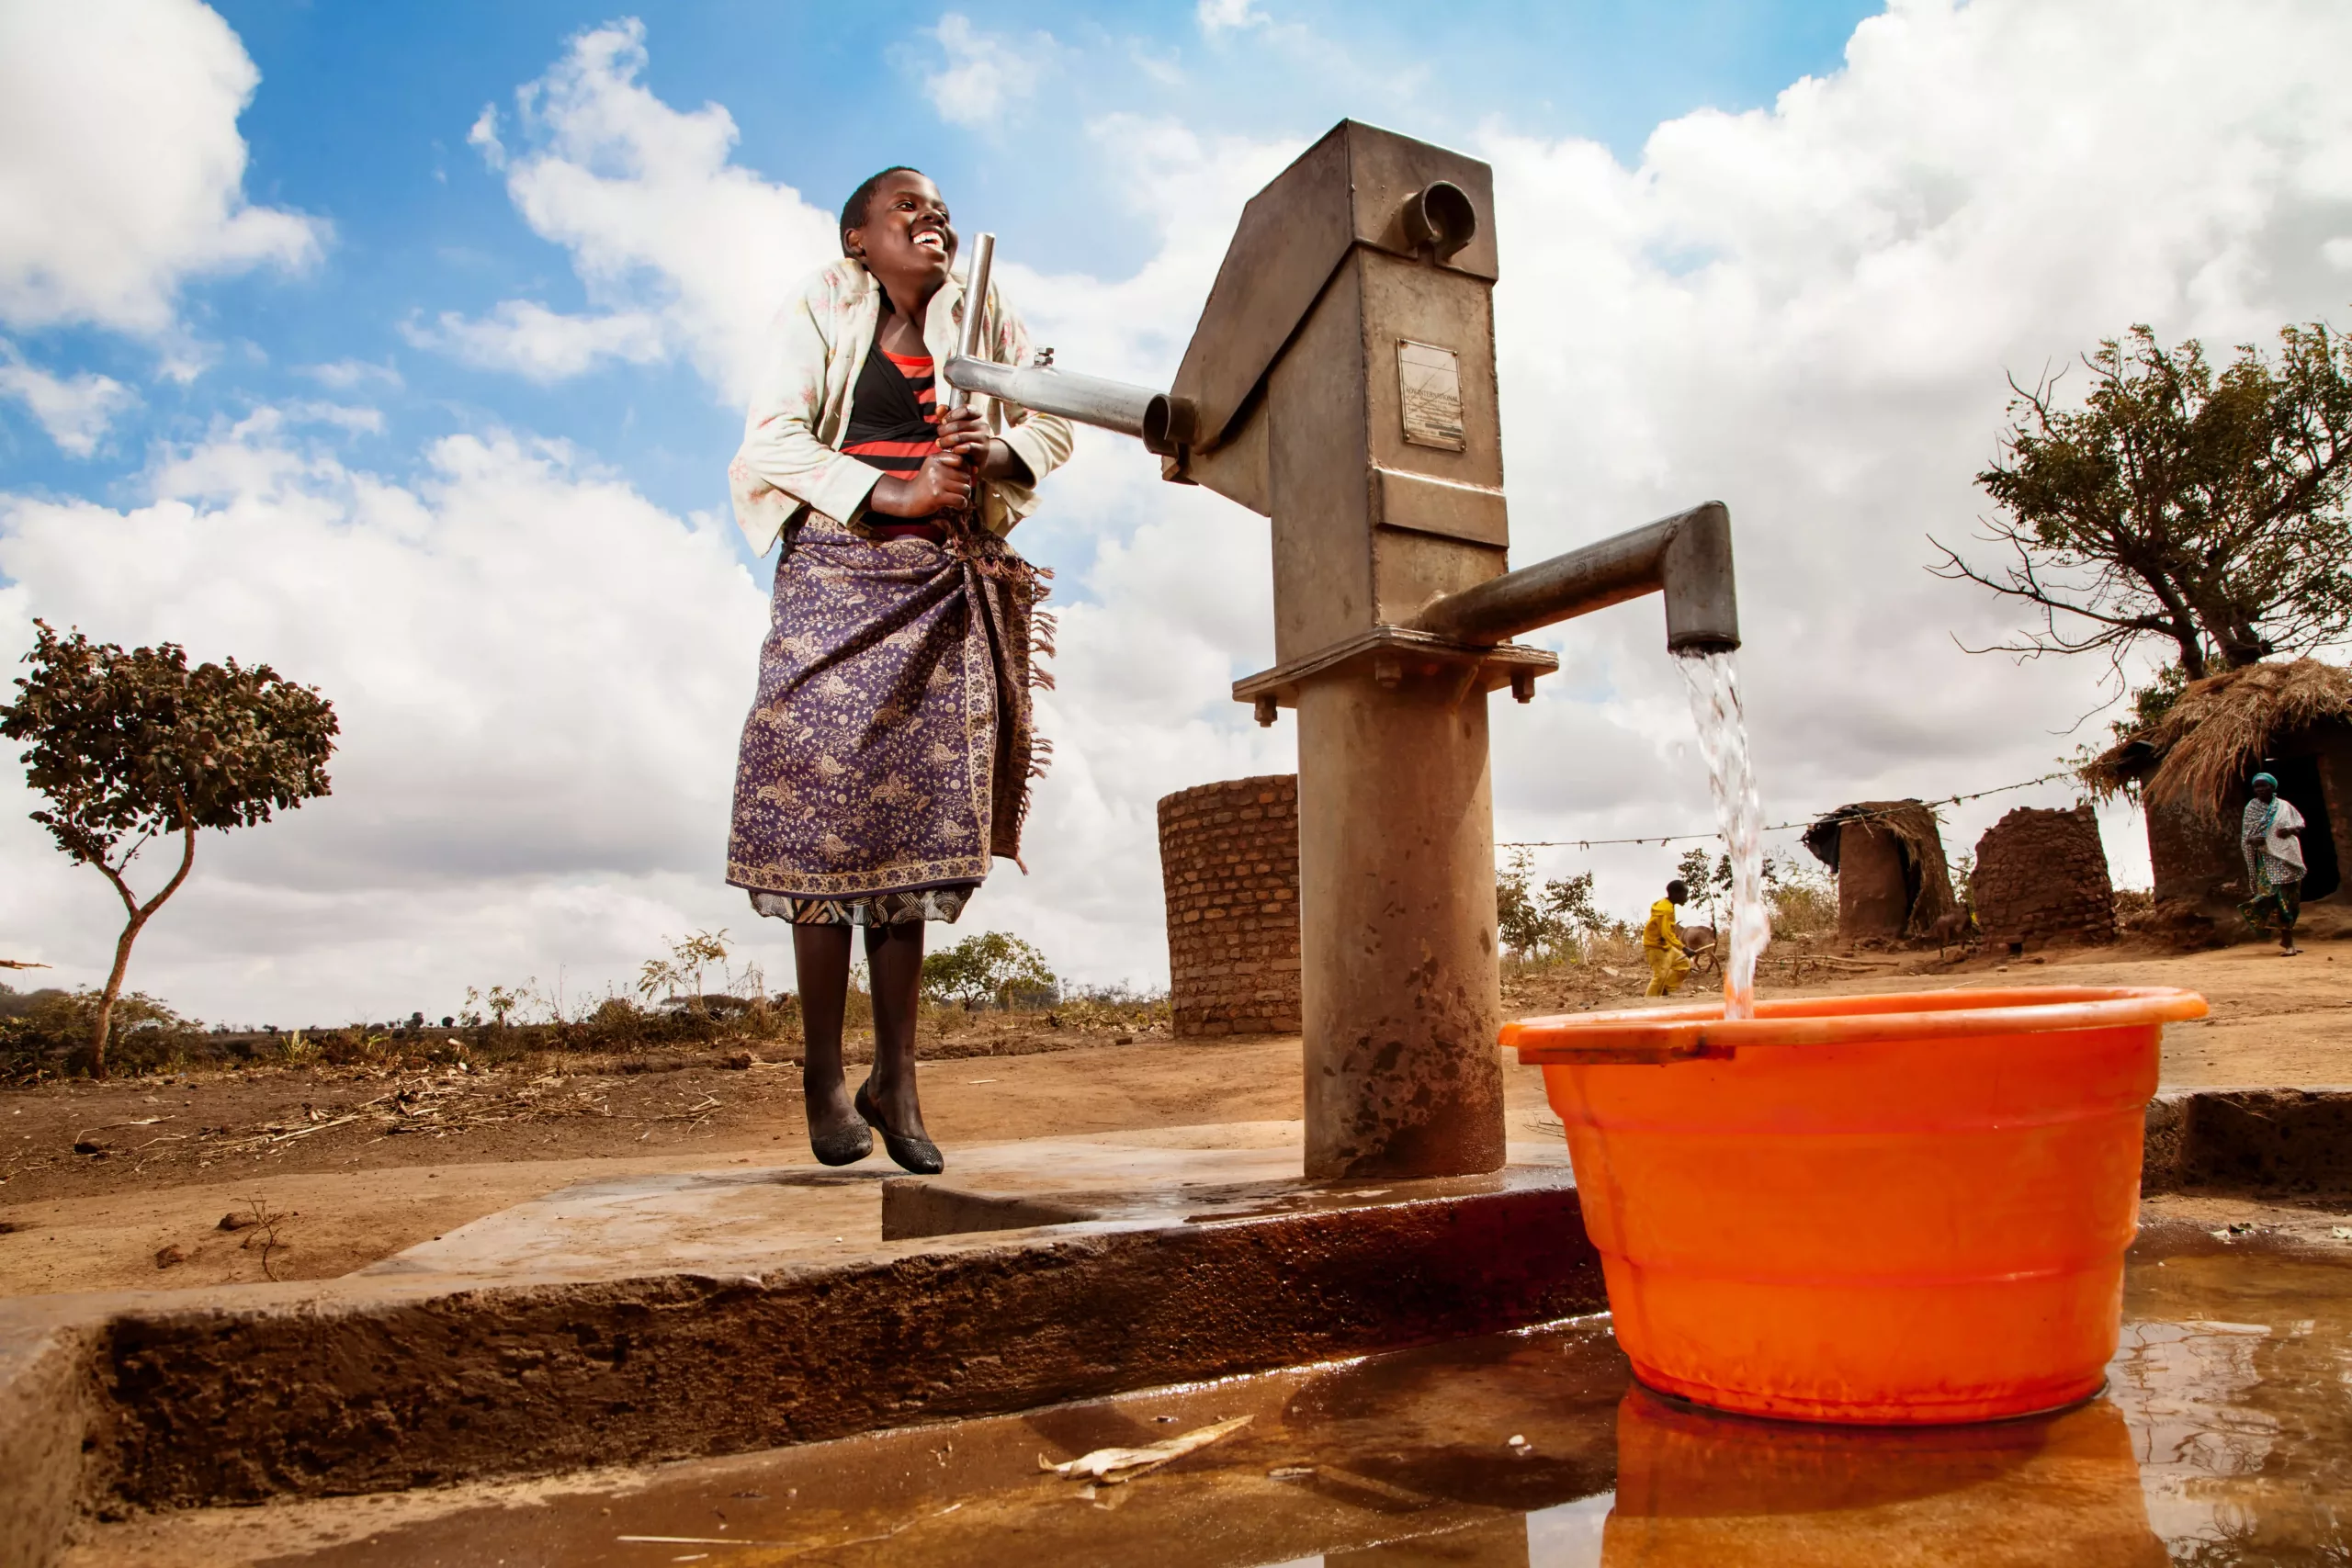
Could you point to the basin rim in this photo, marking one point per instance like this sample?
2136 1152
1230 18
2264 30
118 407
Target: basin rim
1697 1030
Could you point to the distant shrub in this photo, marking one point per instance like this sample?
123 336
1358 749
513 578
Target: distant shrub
988 966
1559 922
48 1034
1804 901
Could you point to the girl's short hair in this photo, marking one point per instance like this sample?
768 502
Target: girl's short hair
854 210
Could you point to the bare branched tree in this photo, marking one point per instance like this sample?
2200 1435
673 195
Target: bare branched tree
2175 505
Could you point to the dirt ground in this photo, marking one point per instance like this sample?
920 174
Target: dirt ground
306 1174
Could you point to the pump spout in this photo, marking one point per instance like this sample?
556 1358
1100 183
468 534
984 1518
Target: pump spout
1686 557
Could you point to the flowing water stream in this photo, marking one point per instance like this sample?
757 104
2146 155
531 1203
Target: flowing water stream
1713 682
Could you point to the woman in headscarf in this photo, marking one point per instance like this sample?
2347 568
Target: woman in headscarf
2273 830
888 753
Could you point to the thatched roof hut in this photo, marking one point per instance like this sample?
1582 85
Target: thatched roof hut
1889 857
2220 730
2191 769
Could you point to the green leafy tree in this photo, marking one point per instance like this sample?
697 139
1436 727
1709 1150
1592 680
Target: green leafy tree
983 967
129 748
1963 880
500 1001
2147 705
1709 880
1568 902
2202 511
682 970
1697 872
1552 920
41 1032
1519 916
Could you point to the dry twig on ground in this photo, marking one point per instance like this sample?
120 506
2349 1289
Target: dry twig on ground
263 1229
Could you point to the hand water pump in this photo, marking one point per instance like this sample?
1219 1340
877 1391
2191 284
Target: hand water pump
1342 383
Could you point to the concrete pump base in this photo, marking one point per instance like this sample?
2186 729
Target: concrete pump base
680 1316
668 1317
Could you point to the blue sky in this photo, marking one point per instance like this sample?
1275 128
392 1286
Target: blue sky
432 408
362 115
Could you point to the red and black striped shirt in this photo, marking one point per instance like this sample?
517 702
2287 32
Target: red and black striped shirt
894 426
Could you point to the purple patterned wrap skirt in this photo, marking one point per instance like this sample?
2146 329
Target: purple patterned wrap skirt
887 756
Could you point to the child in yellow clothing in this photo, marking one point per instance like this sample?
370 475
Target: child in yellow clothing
1662 941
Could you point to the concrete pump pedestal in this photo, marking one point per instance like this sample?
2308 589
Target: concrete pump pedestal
1399 979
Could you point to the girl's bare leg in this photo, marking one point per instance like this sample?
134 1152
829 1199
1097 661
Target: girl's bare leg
821 960
894 961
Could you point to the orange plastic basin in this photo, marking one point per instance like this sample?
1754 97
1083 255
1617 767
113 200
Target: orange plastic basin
1904 1209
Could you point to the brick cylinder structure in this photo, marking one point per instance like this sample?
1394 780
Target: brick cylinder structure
2043 876
1228 861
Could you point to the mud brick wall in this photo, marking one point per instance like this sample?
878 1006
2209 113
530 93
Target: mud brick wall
1229 860
2041 875
1873 897
2195 857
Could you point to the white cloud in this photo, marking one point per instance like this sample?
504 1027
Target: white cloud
539 674
680 251
985 74
76 411
1166 68
1227 16
483 133
342 375
349 418
544 345
1184 191
122 170
1805 310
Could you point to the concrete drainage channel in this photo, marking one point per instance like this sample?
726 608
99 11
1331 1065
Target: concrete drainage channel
116 1404
244 1395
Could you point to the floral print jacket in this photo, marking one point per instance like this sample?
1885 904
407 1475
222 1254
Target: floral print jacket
790 460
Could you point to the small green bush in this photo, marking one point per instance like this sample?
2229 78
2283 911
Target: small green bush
987 966
47 1035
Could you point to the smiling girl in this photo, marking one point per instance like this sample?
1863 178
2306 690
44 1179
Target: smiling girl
887 755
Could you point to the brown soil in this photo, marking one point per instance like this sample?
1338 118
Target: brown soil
344 1167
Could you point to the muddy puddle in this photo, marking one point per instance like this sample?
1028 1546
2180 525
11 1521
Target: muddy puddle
2224 1437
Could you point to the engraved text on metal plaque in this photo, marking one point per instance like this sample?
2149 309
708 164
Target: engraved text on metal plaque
1430 381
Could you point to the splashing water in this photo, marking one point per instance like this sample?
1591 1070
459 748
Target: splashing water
1713 682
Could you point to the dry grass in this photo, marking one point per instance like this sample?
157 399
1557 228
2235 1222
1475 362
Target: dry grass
1804 906
2200 752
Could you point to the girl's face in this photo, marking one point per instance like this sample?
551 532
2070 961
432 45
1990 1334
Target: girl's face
905 240
2263 792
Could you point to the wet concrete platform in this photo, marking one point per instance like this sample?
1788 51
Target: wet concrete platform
743 1220
2221 1442
678 1317
665 1317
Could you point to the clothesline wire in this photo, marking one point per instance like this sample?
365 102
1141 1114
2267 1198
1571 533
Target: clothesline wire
1780 826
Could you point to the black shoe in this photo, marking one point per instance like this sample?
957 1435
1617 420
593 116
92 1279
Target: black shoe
843 1145
920 1156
